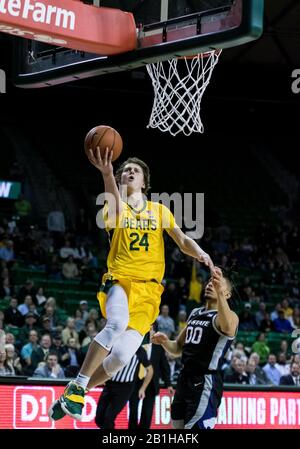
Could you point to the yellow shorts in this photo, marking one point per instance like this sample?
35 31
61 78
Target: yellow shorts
143 301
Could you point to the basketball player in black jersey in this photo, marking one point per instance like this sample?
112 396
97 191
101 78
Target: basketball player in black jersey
202 343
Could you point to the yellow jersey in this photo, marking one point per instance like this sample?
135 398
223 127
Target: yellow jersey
137 246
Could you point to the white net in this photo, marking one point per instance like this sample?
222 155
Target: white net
179 85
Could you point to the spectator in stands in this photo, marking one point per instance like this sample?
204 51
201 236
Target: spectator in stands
175 366
50 369
53 268
282 366
45 328
181 321
27 289
50 313
5 368
67 251
72 359
86 271
79 321
259 372
84 308
24 308
284 348
165 323
266 324
12 316
91 332
13 360
83 223
94 317
40 297
240 347
30 324
229 370
56 225
293 378
247 320
40 353
69 331
59 348
239 375
171 298
51 301
10 338
23 207
27 349
271 371
263 292
6 289
275 313
195 289
288 311
282 325
261 347
253 378
281 258
7 252
295 318
69 269
260 314
183 291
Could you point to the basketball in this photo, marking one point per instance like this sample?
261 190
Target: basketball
103 136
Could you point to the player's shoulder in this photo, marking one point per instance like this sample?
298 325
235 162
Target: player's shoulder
195 312
155 205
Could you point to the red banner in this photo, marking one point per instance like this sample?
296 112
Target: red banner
25 407
71 24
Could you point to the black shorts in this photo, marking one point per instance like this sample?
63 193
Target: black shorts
197 400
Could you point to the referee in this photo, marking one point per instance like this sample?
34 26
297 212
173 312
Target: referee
119 388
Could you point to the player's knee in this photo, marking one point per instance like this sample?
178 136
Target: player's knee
114 362
113 329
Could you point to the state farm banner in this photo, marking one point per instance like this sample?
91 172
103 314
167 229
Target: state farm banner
25 407
70 24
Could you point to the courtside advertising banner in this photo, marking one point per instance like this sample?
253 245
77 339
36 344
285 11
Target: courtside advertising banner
25 407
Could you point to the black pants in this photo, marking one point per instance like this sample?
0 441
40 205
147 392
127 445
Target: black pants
147 408
112 401
197 400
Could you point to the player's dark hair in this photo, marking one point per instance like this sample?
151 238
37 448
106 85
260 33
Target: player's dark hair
144 167
230 274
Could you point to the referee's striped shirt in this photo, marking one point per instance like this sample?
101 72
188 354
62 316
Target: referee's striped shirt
129 372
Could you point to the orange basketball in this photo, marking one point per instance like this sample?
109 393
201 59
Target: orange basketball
103 136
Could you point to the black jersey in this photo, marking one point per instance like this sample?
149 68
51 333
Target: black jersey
205 346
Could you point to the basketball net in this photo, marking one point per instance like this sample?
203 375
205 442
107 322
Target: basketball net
179 85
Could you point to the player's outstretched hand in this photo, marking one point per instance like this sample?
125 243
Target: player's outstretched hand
205 258
159 338
102 163
217 278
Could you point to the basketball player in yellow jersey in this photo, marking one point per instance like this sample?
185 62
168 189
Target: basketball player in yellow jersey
131 289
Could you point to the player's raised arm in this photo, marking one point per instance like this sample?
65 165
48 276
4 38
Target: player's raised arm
190 247
104 164
226 319
174 347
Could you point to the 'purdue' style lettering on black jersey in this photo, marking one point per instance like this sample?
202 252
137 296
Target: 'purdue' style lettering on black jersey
205 346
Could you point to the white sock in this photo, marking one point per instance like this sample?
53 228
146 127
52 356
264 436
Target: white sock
82 380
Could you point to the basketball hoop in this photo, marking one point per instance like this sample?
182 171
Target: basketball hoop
179 85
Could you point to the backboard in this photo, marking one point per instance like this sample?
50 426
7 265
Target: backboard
165 29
